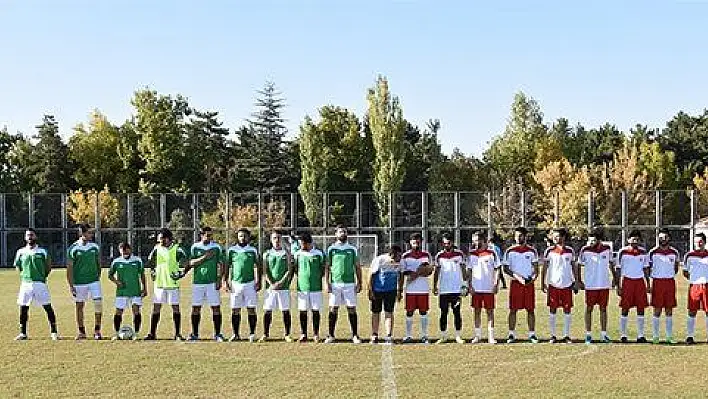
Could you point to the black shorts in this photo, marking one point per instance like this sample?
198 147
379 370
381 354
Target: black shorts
450 300
385 300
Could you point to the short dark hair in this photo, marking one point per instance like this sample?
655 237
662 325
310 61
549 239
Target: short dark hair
306 237
83 228
340 226
205 230
165 232
31 230
415 236
562 231
480 234
701 236
521 229
244 230
395 249
596 233
665 231
635 234
276 231
447 236
124 245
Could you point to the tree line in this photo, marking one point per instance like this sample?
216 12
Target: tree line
170 145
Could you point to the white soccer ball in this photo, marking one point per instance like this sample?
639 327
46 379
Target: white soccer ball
126 333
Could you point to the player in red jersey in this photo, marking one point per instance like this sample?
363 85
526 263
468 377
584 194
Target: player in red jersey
483 274
598 265
695 269
417 288
521 264
558 279
664 264
633 265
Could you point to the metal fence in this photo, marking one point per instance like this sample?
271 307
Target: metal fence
136 217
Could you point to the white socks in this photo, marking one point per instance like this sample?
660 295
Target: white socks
552 323
623 326
409 326
669 326
566 325
424 325
640 326
691 326
655 327
478 332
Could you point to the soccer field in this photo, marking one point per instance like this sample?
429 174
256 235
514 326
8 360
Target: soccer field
41 367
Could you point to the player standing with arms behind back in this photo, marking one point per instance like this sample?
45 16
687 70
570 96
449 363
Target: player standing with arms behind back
128 274
83 273
343 276
207 259
483 271
558 279
596 259
244 282
34 265
521 264
278 271
310 264
450 272
664 264
633 265
695 269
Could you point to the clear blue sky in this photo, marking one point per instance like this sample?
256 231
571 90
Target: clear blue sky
625 62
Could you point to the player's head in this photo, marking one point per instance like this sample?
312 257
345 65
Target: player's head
341 233
664 237
479 240
447 241
495 239
595 237
165 237
635 237
520 234
699 241
30 236
415 241
206 234
243 236
85 232
125 249
559 236
275 238
395 253
306 241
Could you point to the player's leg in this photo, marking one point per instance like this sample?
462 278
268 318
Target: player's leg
97 297
552 324
490 325
444 303
423 305
213 297
376 308
335 299
389 302
512 324
284 304
269 303
457 317
24 317
251 298
655 322
120 304
516 303
159 296
410 311
567 305
137 316
80 318
350 301
173 300
198 298
24 299
315 305
237 302
530 305
477 311
40 295
303 306
670 304
640 324
52 319
588 323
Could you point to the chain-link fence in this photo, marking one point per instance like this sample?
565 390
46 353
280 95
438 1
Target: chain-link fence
135 218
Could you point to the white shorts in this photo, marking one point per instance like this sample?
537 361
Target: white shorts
167 296
33 292
309 301
123 302
277 299
243 295
343 294
84 291
205 293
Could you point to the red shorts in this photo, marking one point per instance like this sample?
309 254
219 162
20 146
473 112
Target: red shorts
663 293
483 301
698 297
522 296
417 302
560 298
634 293
597 297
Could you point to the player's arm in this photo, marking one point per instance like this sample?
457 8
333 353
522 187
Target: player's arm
268 276
98 264
289 274
576 271
143 282
152 262
112 275
47 265
201 259
686 267
436 276
534 263
357 271
69 271
401 284
18 261
258 272
183 260
647 276
372 273
326 262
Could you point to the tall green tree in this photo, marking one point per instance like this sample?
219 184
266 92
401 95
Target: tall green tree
50 159
687 137
423 153
9 173
206 152
128 181
387 131
93 150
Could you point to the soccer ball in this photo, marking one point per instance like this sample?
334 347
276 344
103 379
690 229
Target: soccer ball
126 333
425 269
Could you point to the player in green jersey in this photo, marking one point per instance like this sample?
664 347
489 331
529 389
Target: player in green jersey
244 282
165 260
310 264
83 273
278 271
343 276
128 274
208 263
34 265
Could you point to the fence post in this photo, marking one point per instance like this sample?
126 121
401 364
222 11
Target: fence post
64 223
658 220
693 219
325 214
196 223
624 209
293 212
490 222
391 223
591 209
523 207
228 219
260 221
97 218
357 217
30 212
457 218
131 230
424 216
163 211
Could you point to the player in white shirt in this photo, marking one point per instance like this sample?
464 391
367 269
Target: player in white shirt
633 265
483 274
447 283
596 260
558 278
417 287
664 264
695 269
521 264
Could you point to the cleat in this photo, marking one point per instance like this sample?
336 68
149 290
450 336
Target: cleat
624 340
135 338
178 337
407 340
388 340
511 339
150 337
492 341
288 339
374 339
97 336
567 340
606 340
219 338
316 339
302 339
262 339
252 338
553 339
115 338
193 338
475 340
424 340
80 336
641 340
21 337
441 341
234 338
356 339
533 339
329 340
459 340
656 341
670 341
588 339
54 336
690 341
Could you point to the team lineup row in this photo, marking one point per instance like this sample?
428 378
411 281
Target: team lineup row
241 271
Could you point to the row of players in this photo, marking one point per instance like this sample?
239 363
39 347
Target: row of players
635 273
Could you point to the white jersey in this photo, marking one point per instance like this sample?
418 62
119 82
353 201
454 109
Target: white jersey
410 262
484 266
596 263
521 260
559 261
663 262
696 264
632 262
451 264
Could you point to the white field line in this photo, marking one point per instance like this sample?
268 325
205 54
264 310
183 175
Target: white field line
388 378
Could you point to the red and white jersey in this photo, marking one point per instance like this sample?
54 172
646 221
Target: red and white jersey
484 265
596 262
663 262
632 261
520 259
560 266
410 261
696 264
451 264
